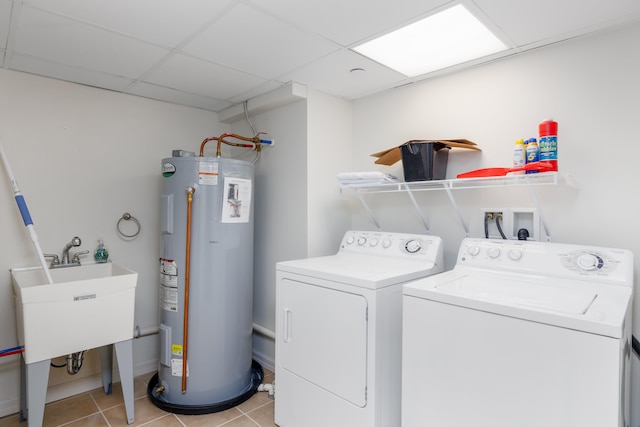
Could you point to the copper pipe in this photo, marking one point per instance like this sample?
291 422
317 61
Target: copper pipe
187 259
255 142
254 139
213 138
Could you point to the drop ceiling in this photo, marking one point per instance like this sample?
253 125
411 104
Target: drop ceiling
214 54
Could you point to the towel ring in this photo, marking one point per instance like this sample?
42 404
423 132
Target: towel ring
128 217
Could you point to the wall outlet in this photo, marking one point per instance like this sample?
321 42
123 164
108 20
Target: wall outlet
510 221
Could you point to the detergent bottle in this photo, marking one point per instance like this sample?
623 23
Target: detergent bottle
548 132
532 152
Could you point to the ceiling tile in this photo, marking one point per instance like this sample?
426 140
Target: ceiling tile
348 22
258 90
527 22
194 75
240 49
62 40
70 74
5 19
177 97
164 22
333 75
250 41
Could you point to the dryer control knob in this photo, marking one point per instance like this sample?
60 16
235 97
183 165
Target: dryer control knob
473 250
362 241
515 254
588 262
386 243
350 240
412 246
494 252
373 242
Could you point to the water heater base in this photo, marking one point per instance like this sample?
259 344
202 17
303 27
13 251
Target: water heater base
257 376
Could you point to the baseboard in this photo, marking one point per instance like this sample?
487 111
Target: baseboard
264 360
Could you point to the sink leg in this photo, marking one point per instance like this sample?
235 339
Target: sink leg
106 363
124 355
37 378
23 390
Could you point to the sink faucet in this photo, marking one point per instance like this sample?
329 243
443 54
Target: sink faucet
75 242
64 261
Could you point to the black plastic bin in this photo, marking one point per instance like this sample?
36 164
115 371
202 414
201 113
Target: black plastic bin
424 161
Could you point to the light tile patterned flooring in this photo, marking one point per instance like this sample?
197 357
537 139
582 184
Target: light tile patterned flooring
95 409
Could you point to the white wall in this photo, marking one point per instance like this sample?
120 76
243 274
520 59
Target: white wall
280 209
588 85
82 157
329 153
298 214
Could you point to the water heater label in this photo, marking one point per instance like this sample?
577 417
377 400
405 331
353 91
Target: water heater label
168 273
208 173
169 298
168 285
176 349
176 367
237 200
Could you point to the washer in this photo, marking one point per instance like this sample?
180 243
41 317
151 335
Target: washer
520 334
339 329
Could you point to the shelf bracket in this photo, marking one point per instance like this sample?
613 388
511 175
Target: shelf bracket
539 208
447 187
415 204
368 209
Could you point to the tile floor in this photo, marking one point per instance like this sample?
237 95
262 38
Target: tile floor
95 409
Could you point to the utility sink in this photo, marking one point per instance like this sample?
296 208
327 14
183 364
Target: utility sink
87 306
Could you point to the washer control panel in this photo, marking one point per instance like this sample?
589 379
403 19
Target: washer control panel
553 259
390 244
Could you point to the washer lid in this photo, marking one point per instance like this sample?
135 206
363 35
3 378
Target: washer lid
579 305
531 295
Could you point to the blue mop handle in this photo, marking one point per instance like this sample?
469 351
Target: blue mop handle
24 210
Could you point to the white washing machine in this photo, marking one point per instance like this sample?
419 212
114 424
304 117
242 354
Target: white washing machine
523 334
338 330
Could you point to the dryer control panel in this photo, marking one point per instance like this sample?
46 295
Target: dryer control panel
391 244
549 259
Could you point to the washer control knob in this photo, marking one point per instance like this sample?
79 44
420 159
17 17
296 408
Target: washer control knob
412 246
588 262
386 243
362 241
494 252
350 240
473 250
373 242
515 254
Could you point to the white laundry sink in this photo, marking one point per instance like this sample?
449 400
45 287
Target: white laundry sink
86 307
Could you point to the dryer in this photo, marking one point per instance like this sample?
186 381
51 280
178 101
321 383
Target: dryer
522 334
338 329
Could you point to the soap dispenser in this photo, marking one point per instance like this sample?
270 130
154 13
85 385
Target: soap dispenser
101 254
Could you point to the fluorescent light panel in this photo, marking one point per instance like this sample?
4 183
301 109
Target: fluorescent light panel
450 37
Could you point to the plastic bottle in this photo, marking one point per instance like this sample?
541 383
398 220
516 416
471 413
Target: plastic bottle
548 132
532 152
101 254
519 156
